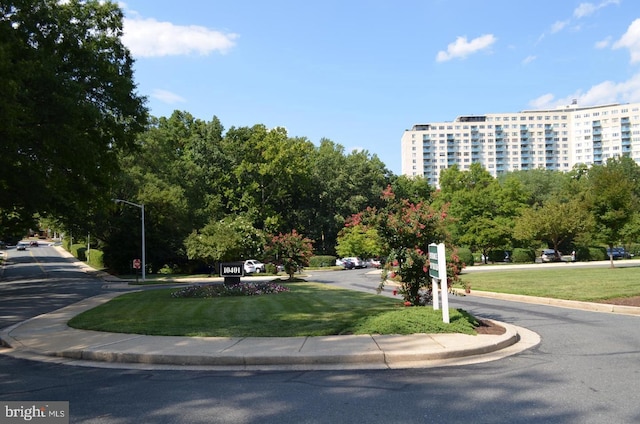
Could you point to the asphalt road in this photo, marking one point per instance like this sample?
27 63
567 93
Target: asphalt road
585 370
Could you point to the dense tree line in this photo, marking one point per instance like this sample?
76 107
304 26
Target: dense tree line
76 135
204 187
585 210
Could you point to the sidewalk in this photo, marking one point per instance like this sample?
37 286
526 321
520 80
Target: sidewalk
48 338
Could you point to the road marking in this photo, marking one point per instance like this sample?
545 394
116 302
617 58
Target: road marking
38 262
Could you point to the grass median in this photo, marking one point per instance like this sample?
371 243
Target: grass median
571 283
308 309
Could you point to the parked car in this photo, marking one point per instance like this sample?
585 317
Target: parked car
618 253
357 262
550 255
252 266
375 263
348 263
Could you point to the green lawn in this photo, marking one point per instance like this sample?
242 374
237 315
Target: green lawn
585 284
307 310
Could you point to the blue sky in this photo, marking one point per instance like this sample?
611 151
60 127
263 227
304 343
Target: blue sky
361 72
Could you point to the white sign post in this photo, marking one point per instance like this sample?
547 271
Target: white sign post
438 273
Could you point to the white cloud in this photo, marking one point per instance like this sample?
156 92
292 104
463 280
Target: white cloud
602 93
527 60
586 9
582 11
151 38
602 44
462 48
631 40
167 96
543 102
558 26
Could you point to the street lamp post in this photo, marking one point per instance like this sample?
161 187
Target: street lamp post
141 206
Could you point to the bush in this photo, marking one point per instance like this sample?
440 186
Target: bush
583 253
270 269
465 256
521 256
95 259
322 261
497 255
597 254
477 257
79 251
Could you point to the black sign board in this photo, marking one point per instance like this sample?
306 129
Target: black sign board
232 269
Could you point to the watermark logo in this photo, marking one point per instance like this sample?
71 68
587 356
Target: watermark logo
34 412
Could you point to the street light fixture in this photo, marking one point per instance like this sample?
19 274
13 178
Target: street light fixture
141 206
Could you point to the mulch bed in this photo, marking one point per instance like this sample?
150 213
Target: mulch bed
488 327
624 301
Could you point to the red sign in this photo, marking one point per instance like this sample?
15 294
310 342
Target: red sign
136 264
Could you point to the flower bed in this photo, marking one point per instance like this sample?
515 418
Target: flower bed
221 290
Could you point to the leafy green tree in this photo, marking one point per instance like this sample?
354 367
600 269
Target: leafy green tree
232 238
270 176
342 185
538 184
415 189
612 198
360 241
483 211
69 106
291 250
555 222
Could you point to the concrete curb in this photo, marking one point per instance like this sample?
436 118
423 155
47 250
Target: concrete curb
572 304
359 351
47 337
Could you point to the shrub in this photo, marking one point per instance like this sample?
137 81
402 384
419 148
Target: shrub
168 269
464 254
521 256
322 261
79 251
583 253
95 259
497 255
597 254
270 269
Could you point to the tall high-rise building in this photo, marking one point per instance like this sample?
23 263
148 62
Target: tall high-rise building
555 139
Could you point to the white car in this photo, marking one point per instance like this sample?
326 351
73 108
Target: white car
253 266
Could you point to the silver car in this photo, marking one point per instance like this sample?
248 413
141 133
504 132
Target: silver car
550 255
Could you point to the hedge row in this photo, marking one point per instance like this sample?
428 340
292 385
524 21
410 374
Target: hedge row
95 256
